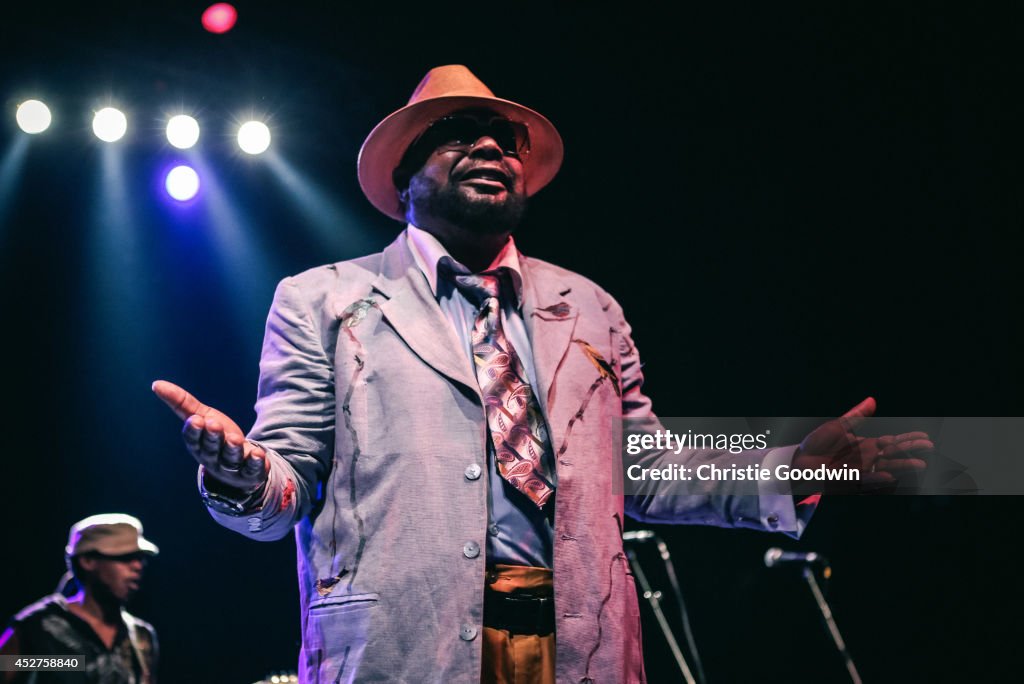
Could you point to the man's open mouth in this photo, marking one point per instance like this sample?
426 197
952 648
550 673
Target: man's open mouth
489 175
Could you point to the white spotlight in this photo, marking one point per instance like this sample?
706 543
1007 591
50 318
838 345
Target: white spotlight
33 116
182 131
254 137
182 183
109 124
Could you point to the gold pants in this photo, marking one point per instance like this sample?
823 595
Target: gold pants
518 658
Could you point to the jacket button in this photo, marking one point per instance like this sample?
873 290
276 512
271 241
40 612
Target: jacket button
773 520
467 633
493 529
471 549
473 471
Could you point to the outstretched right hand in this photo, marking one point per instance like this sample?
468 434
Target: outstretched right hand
215 440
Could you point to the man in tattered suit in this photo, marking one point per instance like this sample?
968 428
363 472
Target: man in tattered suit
436 423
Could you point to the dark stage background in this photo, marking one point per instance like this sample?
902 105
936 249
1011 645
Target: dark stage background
797 206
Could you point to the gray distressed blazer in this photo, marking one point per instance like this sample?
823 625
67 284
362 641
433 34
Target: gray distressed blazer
372 418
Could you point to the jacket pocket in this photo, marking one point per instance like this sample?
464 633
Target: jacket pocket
347 603
335 636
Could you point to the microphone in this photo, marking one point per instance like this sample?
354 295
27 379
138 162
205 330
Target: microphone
638 535
775 556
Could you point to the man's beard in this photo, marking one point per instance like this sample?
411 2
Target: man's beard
483 217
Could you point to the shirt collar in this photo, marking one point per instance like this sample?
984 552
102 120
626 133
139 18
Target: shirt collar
61 601
427 252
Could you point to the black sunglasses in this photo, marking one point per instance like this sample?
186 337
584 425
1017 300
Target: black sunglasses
122 558
461 131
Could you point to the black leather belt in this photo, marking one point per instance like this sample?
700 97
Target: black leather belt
519 613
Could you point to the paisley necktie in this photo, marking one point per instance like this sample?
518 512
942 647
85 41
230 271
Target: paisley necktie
518 430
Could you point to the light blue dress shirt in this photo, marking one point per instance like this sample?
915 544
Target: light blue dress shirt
518 532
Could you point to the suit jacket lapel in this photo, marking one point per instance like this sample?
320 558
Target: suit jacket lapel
551 314
414 314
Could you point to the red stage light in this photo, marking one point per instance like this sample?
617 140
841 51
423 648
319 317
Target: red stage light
219 18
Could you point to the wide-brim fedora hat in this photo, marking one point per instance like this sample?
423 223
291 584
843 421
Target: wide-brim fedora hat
443 91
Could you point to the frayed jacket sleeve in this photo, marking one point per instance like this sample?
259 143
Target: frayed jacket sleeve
294 418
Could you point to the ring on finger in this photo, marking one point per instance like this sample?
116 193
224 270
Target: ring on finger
878 457
231 468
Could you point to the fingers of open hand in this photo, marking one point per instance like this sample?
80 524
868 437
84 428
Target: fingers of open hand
911 445
193 433
255 464
178 400
232 452
225 454
890 440
903 453
204 439
858 413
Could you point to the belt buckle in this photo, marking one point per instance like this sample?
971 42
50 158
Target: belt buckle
542 605
523 612
538 605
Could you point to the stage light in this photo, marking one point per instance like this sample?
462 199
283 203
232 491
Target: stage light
182 131
254 137
182 183
219 18
33 116
109 124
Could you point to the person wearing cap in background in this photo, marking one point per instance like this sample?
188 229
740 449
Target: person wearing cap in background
86 617
436 422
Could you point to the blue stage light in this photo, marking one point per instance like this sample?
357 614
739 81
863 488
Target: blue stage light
182 183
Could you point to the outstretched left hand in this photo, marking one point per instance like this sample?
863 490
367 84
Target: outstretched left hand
881 460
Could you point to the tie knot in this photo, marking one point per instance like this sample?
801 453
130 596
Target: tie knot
478 287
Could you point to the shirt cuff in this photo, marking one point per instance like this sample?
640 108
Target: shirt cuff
778 511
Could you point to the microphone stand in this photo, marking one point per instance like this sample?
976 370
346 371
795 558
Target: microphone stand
830 623
654 599
670 571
